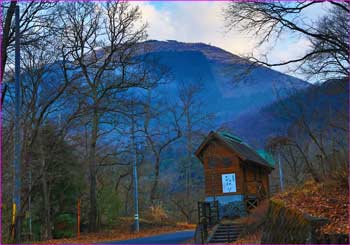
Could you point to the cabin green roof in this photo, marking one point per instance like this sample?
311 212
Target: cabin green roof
245 150
230 136
267 156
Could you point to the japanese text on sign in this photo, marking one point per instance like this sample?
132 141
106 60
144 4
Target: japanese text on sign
228 183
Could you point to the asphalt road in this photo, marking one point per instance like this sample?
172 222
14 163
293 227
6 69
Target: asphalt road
166 238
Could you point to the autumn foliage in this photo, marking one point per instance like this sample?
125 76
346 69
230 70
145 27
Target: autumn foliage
329 200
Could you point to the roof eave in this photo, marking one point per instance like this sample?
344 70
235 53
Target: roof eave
265 165
203 144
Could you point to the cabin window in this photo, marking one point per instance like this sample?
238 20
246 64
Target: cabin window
226 161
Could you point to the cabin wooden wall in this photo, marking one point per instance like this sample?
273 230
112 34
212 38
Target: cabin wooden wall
225 162
218 159
253 174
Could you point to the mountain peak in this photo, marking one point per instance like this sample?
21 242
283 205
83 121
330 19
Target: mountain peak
212 53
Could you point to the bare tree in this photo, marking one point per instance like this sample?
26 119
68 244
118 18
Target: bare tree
195 124
35 25
289 149
101 40
329 50
42 93
314 135
161 128
187 207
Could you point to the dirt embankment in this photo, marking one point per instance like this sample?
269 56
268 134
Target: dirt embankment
312 211
327 200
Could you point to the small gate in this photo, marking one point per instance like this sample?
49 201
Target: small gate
208 216
208 213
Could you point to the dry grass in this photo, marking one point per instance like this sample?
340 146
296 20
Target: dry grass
158 213
253 224
253 238
257 216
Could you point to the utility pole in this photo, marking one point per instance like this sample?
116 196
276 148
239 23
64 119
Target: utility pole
16 207
136 198
280 171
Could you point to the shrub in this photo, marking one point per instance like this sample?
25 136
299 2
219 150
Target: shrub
108 206
64 226
158 213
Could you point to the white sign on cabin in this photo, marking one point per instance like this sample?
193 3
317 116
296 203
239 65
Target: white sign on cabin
228 183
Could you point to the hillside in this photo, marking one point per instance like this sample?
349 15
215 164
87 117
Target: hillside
227 91
332 203
247 107
331 210
319 104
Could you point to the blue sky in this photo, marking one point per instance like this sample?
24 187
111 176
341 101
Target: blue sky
203 22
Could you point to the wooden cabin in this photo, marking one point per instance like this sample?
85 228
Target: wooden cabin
235 175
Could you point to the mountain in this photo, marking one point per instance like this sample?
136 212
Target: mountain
232 89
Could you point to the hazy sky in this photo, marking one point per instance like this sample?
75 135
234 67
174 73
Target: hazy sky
204 22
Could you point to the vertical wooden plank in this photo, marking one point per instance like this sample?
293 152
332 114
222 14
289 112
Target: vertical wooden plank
268 184
255 174
244 179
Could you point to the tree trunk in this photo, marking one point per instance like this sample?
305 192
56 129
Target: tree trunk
47 206
18 227
126 204
92 169
188 219
156 180
189 154
5 44
309 166
47 234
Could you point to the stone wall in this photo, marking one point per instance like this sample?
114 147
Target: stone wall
230 206
232 210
